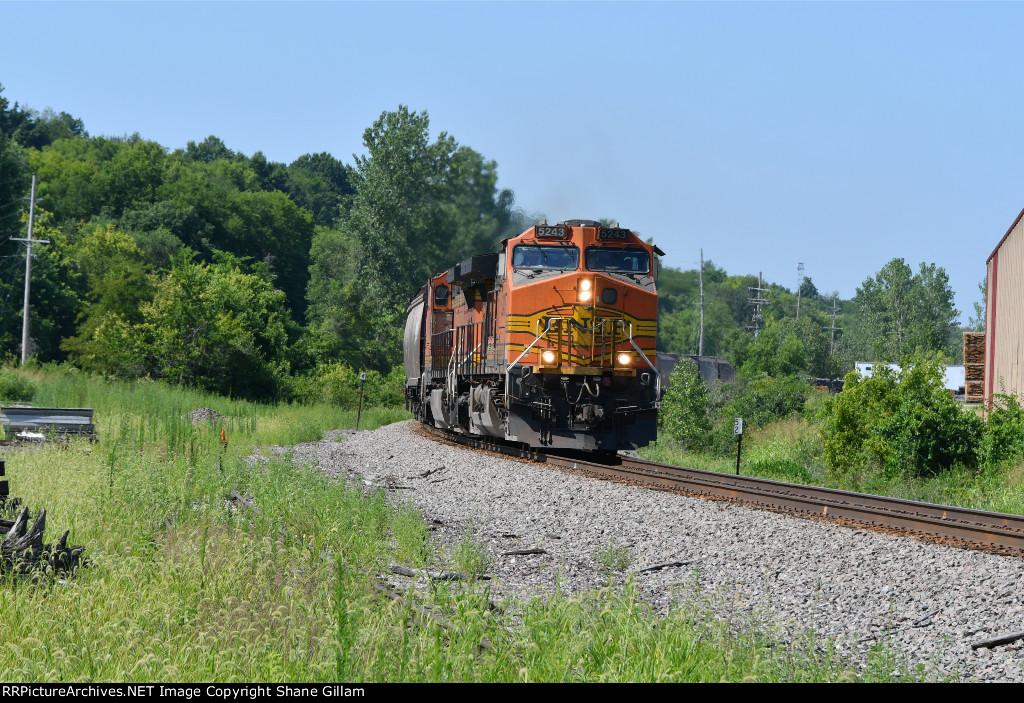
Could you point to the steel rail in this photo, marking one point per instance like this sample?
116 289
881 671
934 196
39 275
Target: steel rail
964 525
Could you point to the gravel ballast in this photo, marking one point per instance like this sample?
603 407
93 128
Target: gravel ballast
853 587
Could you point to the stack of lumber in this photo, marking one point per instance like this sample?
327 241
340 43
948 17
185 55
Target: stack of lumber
974 366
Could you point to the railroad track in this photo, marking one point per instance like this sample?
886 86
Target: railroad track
962 526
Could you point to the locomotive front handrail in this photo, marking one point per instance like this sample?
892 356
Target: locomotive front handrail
508 370
657 376
617 323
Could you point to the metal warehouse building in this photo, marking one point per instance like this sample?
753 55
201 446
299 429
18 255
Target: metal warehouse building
1004 316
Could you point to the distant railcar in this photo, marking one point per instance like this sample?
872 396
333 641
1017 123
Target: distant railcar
549 342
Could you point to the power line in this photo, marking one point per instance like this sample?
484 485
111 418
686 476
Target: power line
700 346
13 180
799 285
833 328
757 301
28 270
10 214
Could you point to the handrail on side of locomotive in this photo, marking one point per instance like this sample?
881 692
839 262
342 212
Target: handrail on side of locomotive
451 385
508 369
470 354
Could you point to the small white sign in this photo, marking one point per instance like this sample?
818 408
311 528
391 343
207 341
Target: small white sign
362 376
737 426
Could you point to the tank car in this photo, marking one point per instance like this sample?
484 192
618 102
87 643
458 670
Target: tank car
548 342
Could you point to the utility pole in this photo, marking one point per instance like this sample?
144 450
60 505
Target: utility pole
700 346
28 269
833 328
799 285
757 301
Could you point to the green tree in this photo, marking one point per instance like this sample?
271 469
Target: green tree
394 213
419 207
898 312
808 291
976 323
56 294
784 347
14 184
686 412
170 219
350 324
207 151
759 401
475 211
113 267
213 326
269 227
321 184
67 185
776 351
12 117
132 177
43 129
899 423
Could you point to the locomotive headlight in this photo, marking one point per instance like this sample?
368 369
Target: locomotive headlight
585 292
547 356
624 359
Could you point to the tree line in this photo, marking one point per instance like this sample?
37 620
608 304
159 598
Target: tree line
230 272
205 266
893 314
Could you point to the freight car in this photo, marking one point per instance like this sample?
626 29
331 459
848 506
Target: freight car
549 342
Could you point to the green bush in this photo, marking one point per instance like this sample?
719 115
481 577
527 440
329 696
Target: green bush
759 402
902 423
1004 437
769 398
15 388
338 384
685 415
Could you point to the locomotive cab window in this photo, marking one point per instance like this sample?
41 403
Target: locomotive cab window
530 257
441 296
627 260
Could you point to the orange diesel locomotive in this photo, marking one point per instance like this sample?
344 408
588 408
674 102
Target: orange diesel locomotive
549 342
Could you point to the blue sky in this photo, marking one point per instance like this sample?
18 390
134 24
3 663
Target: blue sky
839 135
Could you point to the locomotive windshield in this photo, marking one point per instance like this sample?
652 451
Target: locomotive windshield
542 258
608 259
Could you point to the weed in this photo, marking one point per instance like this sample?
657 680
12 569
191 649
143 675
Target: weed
614 559
471 556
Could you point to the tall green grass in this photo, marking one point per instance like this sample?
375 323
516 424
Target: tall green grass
185 585
790 450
